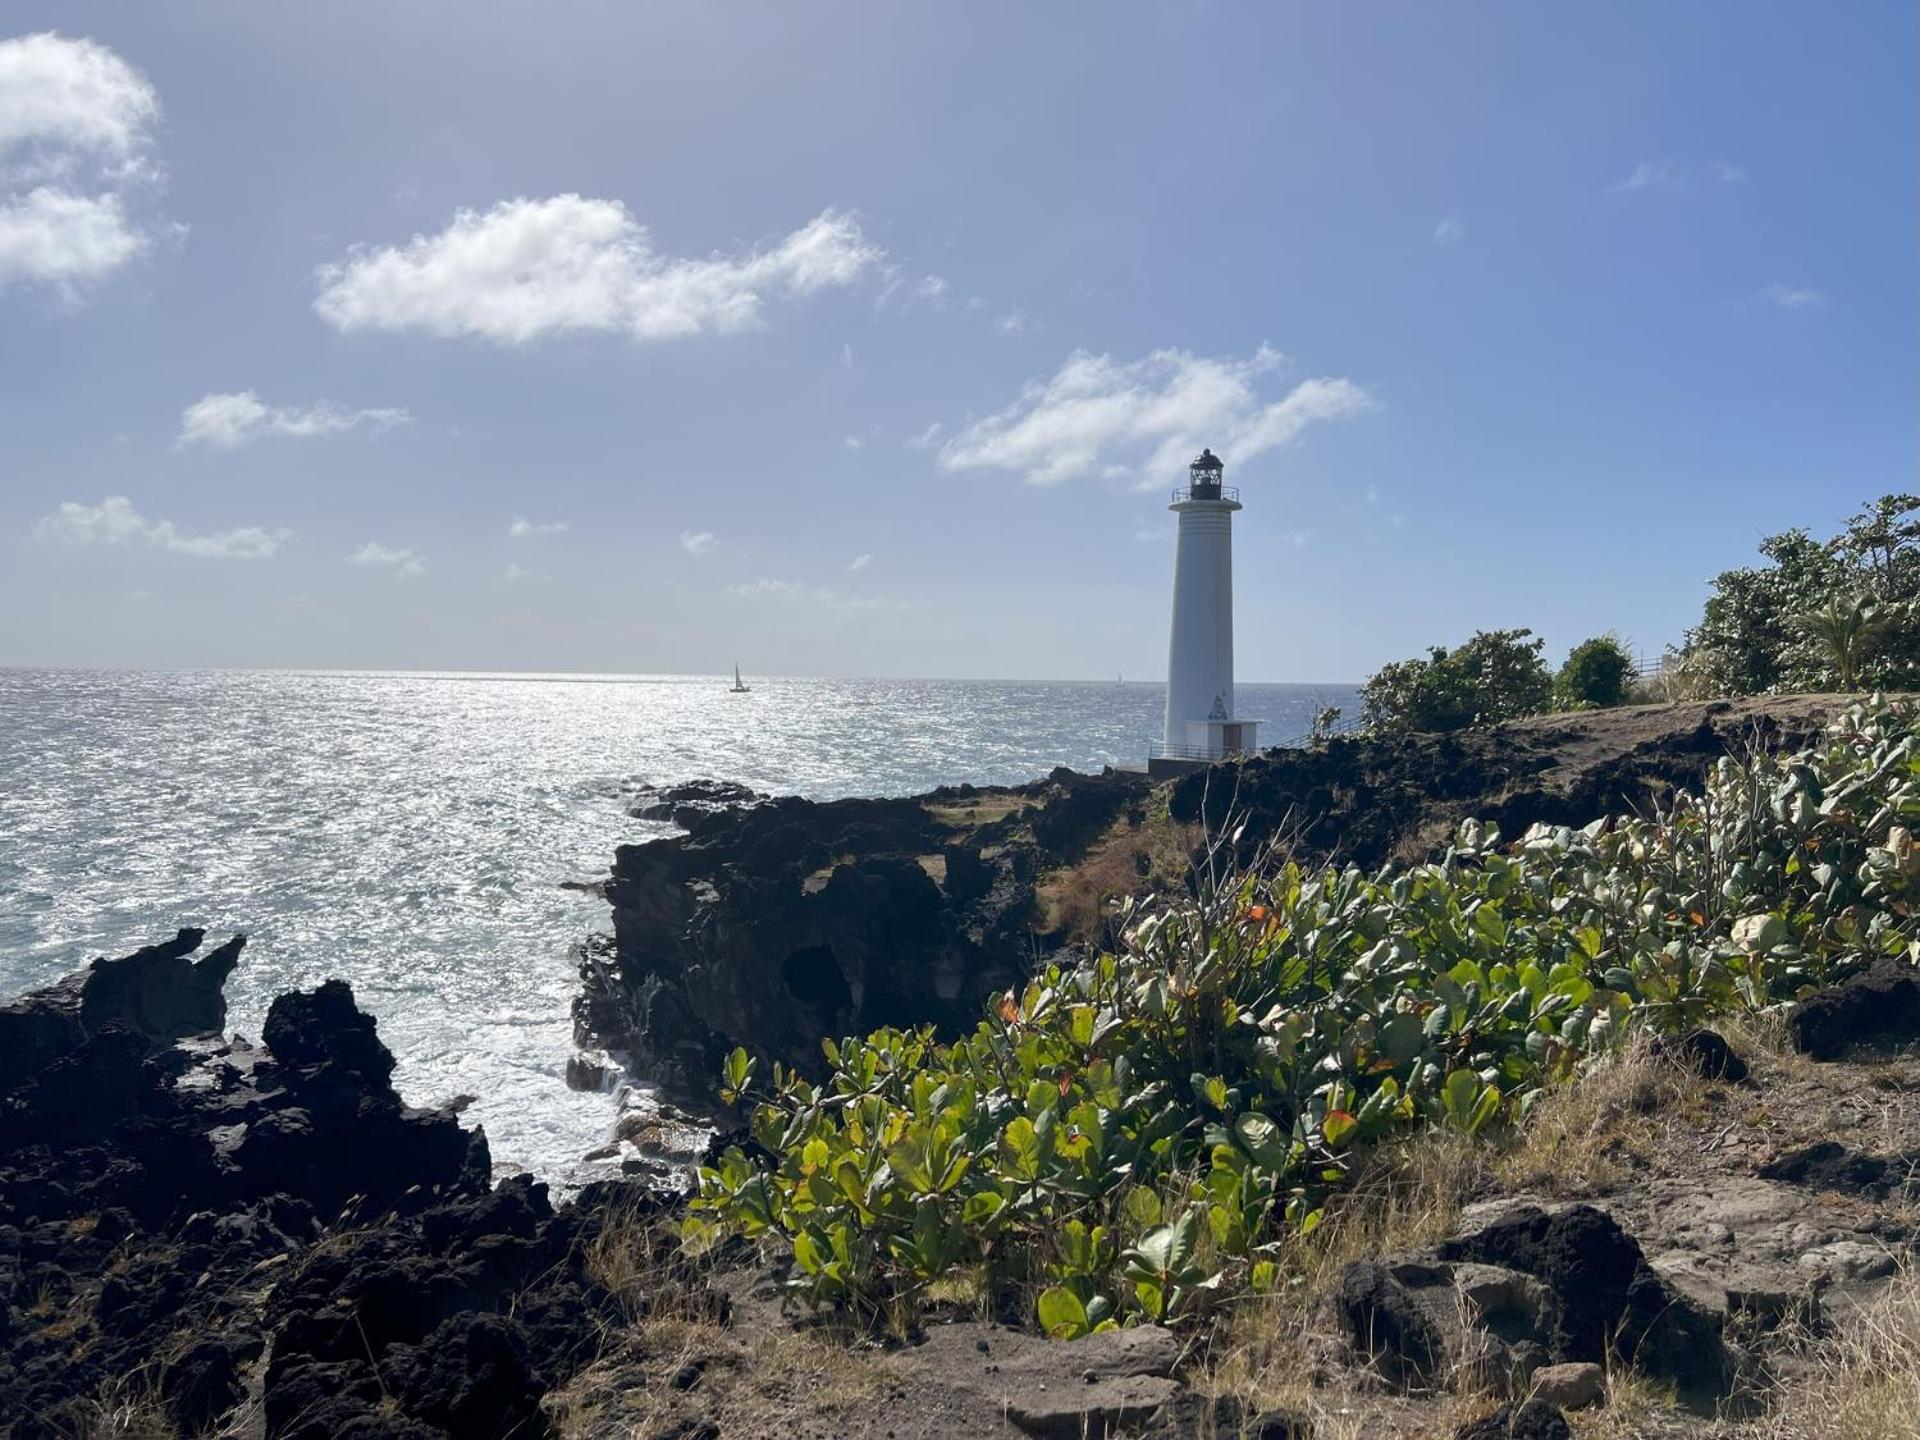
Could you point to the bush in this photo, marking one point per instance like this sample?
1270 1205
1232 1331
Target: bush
1129 1138
1596 675
1497 675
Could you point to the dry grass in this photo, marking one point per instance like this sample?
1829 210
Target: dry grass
1411 1194
1635 1409
129 1410
977 810
1864 1382
1584 1137
1078 900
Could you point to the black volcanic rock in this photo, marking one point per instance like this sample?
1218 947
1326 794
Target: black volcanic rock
1609 1303
1882 1005
161 993
163 1193
788 921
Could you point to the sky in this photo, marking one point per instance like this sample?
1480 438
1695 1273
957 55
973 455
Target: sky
860 340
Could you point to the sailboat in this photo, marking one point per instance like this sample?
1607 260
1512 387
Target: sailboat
738 687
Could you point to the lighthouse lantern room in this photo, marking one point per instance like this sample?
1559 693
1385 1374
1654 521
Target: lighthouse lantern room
1201 722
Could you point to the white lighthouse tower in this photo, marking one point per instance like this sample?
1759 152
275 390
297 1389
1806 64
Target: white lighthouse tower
1202 725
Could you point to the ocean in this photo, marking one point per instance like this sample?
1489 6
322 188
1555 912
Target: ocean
408 833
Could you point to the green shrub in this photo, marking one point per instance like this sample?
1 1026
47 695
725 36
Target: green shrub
1596 675
1130 1137
1497 675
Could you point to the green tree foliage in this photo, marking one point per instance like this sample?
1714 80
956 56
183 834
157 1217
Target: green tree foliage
1846 629
1132 1137
1595 676
1842 613
1497 675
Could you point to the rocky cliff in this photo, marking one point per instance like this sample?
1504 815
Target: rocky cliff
774 924
779 922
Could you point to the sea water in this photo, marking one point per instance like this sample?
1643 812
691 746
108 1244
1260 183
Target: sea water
408 833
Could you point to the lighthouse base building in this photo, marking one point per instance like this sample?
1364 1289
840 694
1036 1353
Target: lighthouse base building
1202 725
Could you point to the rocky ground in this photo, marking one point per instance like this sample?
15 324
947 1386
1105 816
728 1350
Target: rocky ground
204 1235
1711 1242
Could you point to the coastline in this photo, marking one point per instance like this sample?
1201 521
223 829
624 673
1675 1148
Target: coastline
274 1244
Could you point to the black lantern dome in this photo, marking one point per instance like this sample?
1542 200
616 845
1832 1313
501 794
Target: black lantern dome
1206 470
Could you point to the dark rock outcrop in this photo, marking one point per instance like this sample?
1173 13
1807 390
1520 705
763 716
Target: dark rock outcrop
175 1206
1388 1325
692 803
785 922
1879 1006
1607 1302
1487 1308
157 993
1371 799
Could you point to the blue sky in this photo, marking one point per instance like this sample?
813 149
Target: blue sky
865 340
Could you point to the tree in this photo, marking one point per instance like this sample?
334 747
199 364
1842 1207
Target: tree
1845 628
1595 676
1801 622
1497 675
1747 636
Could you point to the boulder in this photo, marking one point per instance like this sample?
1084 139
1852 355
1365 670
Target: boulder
1570 1386
1705 1053
1880 1006
1385 1323
1607 1301
1101 1385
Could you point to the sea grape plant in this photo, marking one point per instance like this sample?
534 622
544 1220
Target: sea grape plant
1131 1134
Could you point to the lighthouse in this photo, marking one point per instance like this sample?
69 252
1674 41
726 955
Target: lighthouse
1202 724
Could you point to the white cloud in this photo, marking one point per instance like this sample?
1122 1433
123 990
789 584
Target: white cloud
525 529
1787 297
854 442
1146 533
1013 322
228 421
927 438
529 268
114 521
899 294
1731 174
72 93
1372 495
406 564
1152 414
517 573
75 129
817 595
1647 175
698 542
64 239
1450 231
860 562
